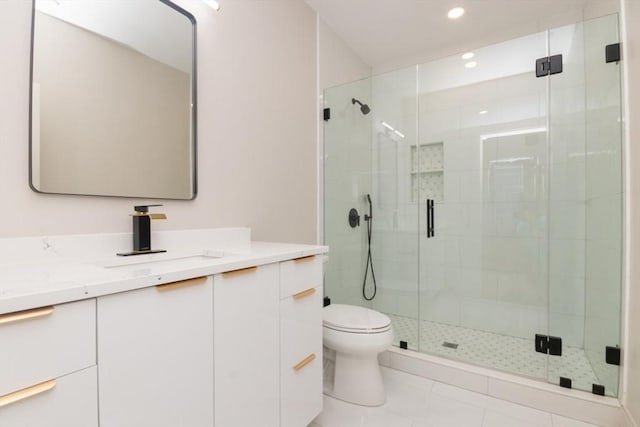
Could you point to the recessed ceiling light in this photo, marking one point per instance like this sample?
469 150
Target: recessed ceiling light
471 64
455 13
213 4
483 112
468 55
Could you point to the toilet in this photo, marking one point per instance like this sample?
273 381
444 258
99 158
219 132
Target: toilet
355 335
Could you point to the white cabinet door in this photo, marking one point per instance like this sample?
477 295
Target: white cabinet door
68 401
246 306
155 356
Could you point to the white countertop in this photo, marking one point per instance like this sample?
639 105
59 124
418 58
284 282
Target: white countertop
36 272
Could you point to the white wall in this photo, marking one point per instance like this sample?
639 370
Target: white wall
631 46
257 129
338 64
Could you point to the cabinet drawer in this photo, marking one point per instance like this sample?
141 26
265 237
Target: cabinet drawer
300 329
301 393
300 274
71 402
41 344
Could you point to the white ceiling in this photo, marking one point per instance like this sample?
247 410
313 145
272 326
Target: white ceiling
383 31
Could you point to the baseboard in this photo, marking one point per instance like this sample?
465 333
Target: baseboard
600 410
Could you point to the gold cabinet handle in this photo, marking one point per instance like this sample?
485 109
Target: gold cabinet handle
26 314
304 293
182 283
304 258
304 362
16 396
240 271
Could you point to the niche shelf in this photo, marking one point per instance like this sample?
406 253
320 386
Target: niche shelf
427 171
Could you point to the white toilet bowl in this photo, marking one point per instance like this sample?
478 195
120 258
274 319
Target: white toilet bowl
357 335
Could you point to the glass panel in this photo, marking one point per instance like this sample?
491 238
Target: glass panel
347 179
483 292
395 215
585 214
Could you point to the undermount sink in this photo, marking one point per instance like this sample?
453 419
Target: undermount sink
164 260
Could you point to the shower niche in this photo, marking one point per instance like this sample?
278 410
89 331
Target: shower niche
528 209
427 171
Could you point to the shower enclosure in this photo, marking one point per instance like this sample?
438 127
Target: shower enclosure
496 184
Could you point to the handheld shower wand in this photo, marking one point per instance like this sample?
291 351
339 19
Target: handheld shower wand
369 220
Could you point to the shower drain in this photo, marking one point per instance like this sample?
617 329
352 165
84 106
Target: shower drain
450 345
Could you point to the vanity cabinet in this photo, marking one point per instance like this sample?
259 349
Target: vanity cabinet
300 340
155 352
240 348
47 366
247 345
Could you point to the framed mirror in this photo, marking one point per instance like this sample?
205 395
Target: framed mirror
113 99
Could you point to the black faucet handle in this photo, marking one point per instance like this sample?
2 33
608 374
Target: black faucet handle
143 208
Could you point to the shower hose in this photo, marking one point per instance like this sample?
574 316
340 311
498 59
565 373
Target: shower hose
369 221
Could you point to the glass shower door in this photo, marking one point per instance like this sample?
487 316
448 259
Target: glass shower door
482 158
585 214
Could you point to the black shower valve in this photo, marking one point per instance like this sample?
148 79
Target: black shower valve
354 218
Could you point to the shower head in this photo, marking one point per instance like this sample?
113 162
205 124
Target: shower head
363 107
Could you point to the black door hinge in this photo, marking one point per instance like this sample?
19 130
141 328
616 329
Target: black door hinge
612 53
326 301
612 355
597 389
565 382
403 345
549 345
326 114
549 65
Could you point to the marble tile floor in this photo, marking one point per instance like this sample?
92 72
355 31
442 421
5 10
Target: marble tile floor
506 353
414 401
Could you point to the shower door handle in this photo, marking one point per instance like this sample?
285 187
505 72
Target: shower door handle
430 219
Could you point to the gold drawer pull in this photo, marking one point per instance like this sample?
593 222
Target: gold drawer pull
310 358
240 271
24 315
304 258
181 283
304 293
16 396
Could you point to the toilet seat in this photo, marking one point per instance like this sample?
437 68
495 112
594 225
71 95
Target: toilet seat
355 320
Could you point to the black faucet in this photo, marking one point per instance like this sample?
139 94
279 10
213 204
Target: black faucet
142 231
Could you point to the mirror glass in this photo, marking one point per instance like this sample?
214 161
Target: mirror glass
113 105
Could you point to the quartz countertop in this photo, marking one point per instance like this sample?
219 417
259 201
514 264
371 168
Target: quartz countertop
29 280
